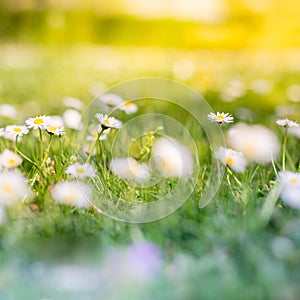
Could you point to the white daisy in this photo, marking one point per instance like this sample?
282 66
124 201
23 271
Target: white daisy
128 107
111 99
10 160
233 159
8 111
290 188
220 118
81 170
258 143
108 122
38 122
171 158
129 168
73 193
16 130
73 103
56 130
72 119
13 187
286 123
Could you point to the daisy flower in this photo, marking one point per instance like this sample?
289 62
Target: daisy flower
111 99
10 160
233 159
81 170
290 188
73 193
129 168
220 118
13 187
38 122
16 130
56 130
108 122
287 123
128 108
171 158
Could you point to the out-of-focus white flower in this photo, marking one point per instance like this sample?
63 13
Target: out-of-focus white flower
287 123
262 86
72 119
16 130
73 193
38 122
8 111
56 130
111 99
128 107
293 92
108 122
171 158
290 188
129 168
234 90
257 142
10 160
233 159
13 187
73 103
220 118
81 170
294 131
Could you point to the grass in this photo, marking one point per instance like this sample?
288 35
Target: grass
226 250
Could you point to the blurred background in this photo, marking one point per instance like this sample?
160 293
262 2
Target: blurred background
225 49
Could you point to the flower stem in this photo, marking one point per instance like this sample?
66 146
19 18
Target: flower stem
94 145
284 149
41 144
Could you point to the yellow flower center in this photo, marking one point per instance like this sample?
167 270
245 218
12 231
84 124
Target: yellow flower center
127 104
111 102
220 117
229 161
293 181
7 189
52 128
11 161
80 171
38 121
16 129
106 122
133 167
